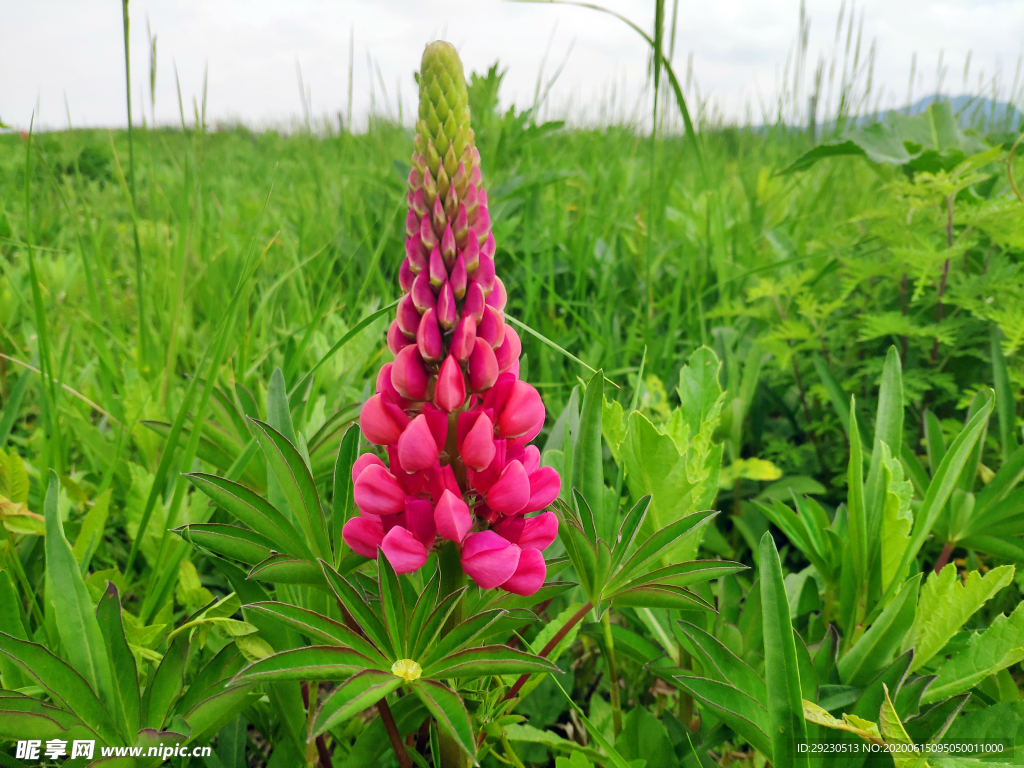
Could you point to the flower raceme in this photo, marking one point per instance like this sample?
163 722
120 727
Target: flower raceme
450 411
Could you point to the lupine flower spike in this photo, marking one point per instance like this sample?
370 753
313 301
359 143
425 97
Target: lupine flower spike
450 411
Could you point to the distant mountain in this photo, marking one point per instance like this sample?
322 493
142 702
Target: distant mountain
973 112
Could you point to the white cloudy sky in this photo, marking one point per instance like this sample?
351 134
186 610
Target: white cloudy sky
52 50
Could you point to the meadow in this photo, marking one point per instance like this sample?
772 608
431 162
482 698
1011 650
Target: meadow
819 342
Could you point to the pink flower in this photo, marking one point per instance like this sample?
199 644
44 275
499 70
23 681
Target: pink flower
450 393
416 447
523 412
529 575
464 338
452 517
545 485
363 535
381 421
377 492
488 559
404 551
511 491
478 446
483 366
409 374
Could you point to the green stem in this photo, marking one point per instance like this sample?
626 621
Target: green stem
452 579
613 672
140 294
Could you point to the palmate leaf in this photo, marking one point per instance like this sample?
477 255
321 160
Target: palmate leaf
353 696
316 627
719 663
296 483
486 661
285 569
361 613
449 712
739 711
946 603
253 510
998 647
689 573
459 636
662 540
230 541
317 662
435 621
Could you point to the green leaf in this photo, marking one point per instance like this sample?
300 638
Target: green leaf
594 732
74 612
315 626
888 430
353 696
719 663
587 472
285 569
296 484
486 661
664 539
253 510
628 530
946 603
122 662
344 503
317 662
643 737
998 647
230 541
782 674
426 638
857 515
736 709
835 392
943 481
689 573
449 712
210 715
64 685
25 717
876 647
91 532
897 518
165 684
11 621
891 728
212 678
392 606
1006 409
527 734
660 595
627 643
460 636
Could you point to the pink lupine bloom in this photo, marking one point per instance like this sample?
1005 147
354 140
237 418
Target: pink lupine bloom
451 412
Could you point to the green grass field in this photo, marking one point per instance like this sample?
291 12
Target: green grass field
248 252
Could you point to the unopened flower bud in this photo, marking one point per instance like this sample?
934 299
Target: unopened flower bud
447 312
428 337
463 339
483 366
409 374
450 392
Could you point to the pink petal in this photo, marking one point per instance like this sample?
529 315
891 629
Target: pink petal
380 422
478 447
452 517
363 535
407 316
438 271
409 374
509 350
447 312
523 411
488 559
377 492
403 550
529 575
396 339
492 327
364 461
464 338
511 491
545 485
419 519
458 278
428 337
538 532
450 393
483 366
416 447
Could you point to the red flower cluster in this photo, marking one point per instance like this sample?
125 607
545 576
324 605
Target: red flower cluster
451 411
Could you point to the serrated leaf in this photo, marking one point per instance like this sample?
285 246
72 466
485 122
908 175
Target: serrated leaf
897 519
891 728
946 603
998 647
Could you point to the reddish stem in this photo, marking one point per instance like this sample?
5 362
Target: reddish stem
396 739
554 641
947 550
